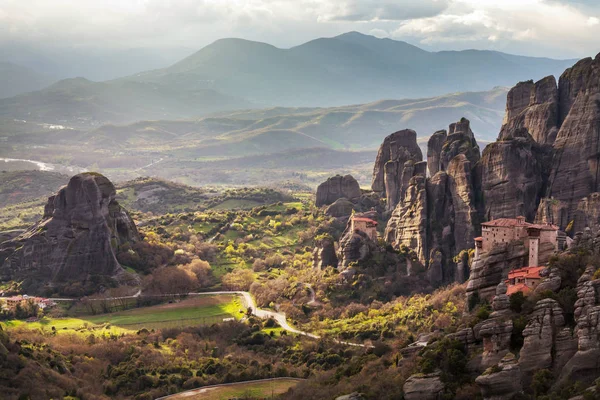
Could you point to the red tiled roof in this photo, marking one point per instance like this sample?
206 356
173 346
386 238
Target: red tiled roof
520 287
478 239
512 222
526 272
361 219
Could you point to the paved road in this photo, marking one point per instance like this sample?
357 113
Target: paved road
248 303
205 389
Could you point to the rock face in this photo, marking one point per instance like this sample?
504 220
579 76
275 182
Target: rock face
497 330
397 162
585 363
434 151
489 269
439 217
340 208
503 383
337 187
513 175
76 239
324 254
423 387
540 350
355 246
575 167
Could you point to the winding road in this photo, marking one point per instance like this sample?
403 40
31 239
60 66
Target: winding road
248 302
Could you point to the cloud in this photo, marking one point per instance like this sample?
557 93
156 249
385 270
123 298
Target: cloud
556 28
381 10
532 26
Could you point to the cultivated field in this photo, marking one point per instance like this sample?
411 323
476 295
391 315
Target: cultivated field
245 390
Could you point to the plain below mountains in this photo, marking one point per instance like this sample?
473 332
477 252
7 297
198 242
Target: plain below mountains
233 73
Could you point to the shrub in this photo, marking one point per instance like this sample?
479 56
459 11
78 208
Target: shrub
516 301
542 382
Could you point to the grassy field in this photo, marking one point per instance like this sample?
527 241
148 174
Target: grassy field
200 310
249 390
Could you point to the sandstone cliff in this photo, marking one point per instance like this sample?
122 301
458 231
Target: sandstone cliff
337 187
74 242
395 165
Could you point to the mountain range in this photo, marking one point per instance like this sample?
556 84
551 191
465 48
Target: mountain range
233 73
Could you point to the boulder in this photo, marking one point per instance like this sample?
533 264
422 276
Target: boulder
424 387
337 187
340 208
502 382
75 241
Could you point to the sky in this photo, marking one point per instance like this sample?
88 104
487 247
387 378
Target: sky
551 28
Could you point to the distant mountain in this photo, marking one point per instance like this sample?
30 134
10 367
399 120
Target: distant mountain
266 131
346 69
233 73
80 102
16 79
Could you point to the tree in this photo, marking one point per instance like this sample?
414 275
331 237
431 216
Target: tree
238 279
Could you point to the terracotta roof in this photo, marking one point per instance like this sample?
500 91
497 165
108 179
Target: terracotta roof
512 222
520 287
362 219
527 272
478 239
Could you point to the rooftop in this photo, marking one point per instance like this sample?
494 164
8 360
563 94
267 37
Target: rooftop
526 272
513 222
520 287
362 219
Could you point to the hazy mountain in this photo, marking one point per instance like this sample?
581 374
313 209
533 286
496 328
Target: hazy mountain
80 102
16 79
350 68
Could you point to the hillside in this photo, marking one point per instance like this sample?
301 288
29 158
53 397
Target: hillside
81 102
22 186
16 79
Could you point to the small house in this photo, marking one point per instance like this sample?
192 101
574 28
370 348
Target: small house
523 280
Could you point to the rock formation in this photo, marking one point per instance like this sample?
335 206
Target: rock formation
489 270
502 382
340 208
324 254
423 387
575 168
512 174
585 363
497 330
397 162
335 188
76 239
355 246
438 217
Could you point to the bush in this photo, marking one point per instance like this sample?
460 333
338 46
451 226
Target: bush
542 382
516 301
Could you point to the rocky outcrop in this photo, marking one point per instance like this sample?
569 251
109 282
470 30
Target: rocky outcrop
585 363
337 187
576 164
424 387
489 269
513 176
438 217
460 140
75 241
539 351
340 208
587 214
497 330
397 162
502 382
533 107
355 246
434 151
408 223
324 254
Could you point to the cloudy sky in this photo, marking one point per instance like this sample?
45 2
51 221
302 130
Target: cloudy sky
553 28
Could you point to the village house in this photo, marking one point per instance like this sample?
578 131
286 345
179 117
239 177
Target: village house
523 280
365 225
11 303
